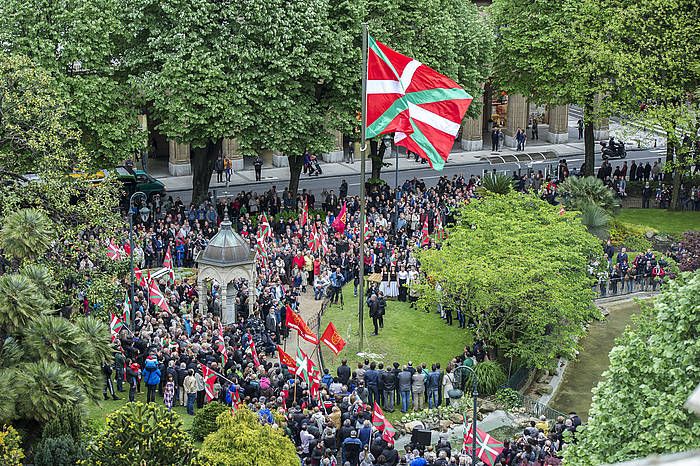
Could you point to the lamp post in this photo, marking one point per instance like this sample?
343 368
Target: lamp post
144 212
475 393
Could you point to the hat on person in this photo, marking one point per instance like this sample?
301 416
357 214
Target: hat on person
353 433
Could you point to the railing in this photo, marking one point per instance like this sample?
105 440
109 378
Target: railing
519 379
317 323
538 409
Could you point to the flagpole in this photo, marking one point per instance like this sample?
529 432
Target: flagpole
363 152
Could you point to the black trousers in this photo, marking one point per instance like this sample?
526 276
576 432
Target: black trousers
151 393
448 315
375 321
258 172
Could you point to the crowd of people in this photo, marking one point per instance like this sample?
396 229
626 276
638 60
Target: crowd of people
162 352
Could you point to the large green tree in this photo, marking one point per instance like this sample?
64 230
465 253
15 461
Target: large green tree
637 408
656 74
519 270
81 44
554 53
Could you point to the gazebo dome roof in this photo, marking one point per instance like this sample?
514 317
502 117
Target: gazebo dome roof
226 248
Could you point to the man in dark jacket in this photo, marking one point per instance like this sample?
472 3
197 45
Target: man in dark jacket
351 449
374 313
372 382
107 372
344 372
132 378
404 383
389 389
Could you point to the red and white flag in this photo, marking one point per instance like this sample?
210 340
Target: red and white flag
113 251
421 106
424 236
156 297
209 382
332 339
487 447
304 218
115 326
168 264
254 353
295 322
382 424
138 275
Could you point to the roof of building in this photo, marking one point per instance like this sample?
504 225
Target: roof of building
226 248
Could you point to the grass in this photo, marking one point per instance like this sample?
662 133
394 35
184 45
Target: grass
673 223
408 335
98 412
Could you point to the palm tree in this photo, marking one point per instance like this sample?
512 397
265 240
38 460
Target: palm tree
496 183
40 275
20 302
26 234
577 192
596 220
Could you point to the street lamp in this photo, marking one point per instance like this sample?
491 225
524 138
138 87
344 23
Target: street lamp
457 394
143 212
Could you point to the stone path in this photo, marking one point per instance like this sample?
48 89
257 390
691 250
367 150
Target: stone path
309 310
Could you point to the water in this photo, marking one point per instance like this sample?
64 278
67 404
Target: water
582 375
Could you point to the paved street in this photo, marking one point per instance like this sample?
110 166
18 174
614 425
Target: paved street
334 173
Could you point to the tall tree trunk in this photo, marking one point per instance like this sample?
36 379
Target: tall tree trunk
377 156
296 163
670 150
588 139
203 160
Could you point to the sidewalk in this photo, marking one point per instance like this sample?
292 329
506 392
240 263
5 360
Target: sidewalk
246 177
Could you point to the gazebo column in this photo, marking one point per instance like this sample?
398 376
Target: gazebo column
202 294
228 311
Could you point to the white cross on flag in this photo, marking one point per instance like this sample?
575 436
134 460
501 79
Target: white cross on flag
487 447
421 106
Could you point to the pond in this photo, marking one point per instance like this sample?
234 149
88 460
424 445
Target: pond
583 374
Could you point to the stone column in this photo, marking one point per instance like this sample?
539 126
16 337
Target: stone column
229 148
228 311
336 155
179 164
202 294
278 159
558 132
472 128
516 118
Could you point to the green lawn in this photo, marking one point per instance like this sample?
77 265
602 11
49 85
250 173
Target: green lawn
674 223
98 412
407 335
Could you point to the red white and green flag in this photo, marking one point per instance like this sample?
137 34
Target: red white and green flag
115 325
264 225
254 354
439 228
487 447
114 252
221 346
424 236
382 424
421 106
304 366
156 297
304 218
314 239
168 264
138 276
209 381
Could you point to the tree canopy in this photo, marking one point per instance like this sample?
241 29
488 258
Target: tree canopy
519 270
637 408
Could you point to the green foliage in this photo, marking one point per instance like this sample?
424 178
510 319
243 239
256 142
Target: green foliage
26 233
138 433
241 439
509 398
530 304
595 219
490 377
496 183
80 44
58 451
67 422
629 235
11 453
638 408
205 420
20 302
577 192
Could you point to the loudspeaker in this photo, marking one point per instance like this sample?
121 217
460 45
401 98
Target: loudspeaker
420 437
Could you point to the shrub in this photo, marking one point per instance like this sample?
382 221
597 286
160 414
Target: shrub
68 421
490 377
205 420
577 192
241 439
58 451
11 453
689 260
629 235
141 433
509 398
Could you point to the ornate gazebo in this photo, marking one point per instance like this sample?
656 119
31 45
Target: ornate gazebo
226 258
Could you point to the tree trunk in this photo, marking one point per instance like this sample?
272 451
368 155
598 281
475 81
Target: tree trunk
588 139
296 163
377 156
675 194
203 160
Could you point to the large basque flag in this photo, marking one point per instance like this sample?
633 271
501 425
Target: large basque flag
421 106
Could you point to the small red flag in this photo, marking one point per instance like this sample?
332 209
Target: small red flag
286 359
342 219
332 339
304 219
294 321
209 381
